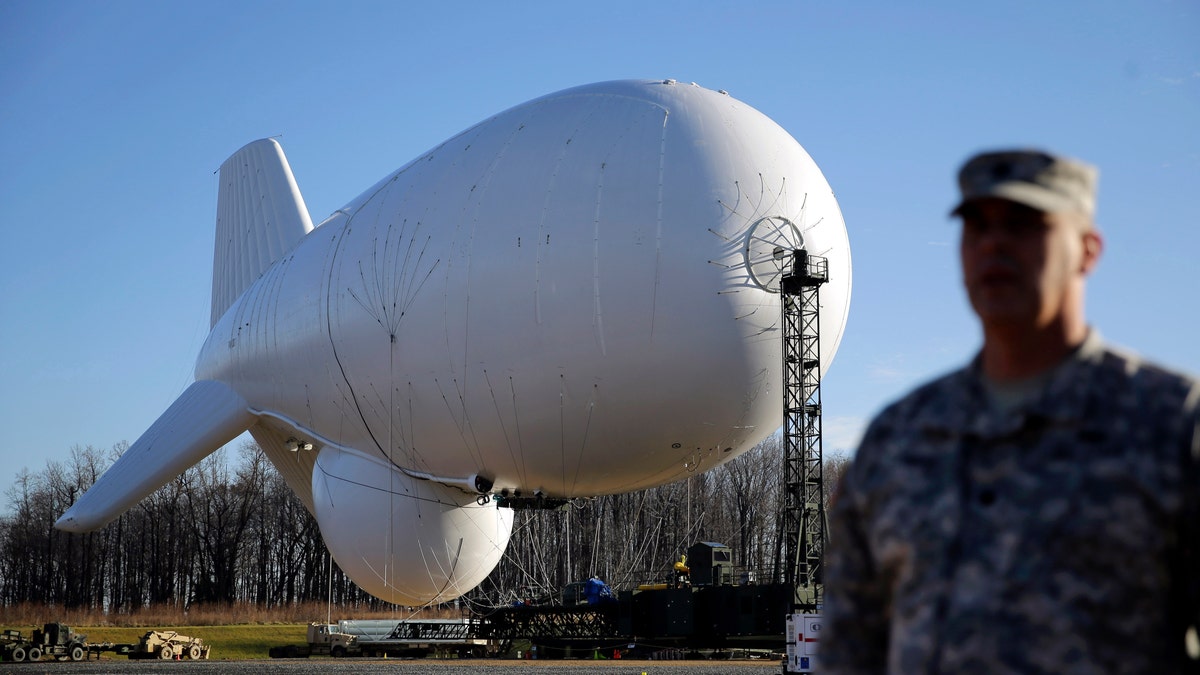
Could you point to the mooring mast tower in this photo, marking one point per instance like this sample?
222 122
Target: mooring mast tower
804 507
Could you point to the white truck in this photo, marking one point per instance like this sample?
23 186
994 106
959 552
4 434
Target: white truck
323 640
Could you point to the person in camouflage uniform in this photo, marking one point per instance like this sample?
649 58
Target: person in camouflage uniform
1037 510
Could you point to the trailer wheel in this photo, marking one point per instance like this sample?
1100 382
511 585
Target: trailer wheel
194 652
35 654
76 653
166 653
18 654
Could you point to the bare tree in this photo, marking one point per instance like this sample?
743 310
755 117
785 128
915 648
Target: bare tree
229 529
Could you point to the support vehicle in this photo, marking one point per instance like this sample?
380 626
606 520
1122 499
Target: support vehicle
323 639
52 639
169 645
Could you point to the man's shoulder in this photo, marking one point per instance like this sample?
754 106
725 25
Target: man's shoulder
1126 370
902 428
942 402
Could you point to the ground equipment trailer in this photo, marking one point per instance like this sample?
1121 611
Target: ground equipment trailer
413 638
419 638
323 640
168 646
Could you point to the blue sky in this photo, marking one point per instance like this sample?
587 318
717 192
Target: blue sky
114 117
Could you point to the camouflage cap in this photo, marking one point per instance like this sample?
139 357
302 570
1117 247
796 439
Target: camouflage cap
1030 177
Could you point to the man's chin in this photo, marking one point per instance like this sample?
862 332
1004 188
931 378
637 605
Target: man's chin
1000 312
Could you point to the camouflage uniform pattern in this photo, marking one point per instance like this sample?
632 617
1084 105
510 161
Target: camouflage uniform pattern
1058 537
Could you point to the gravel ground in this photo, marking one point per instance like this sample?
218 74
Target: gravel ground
401 666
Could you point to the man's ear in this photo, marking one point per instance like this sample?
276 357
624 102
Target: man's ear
1093 246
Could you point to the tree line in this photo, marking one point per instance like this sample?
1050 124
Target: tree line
229 530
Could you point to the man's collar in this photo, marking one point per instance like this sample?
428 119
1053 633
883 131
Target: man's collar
1063 397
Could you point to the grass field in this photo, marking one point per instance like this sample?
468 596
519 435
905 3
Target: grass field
227 642
238 642
235 631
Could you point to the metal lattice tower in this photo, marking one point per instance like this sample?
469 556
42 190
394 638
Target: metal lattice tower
804 510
